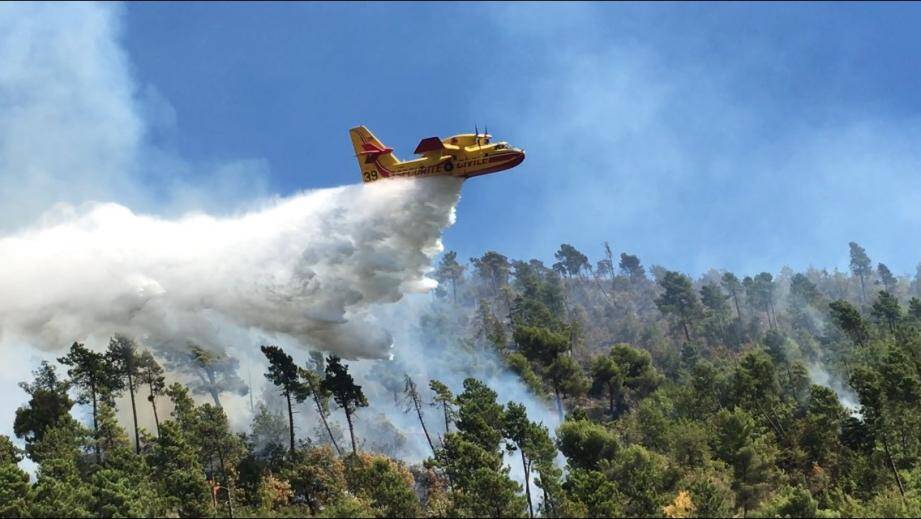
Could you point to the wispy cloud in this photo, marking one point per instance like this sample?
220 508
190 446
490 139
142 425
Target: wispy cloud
68 130
75 126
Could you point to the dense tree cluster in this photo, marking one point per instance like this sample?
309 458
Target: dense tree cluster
790 394
787 395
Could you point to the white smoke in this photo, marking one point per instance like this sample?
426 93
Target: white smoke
68 127
820 376
307 268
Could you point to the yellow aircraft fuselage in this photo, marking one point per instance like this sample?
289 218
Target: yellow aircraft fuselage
464 156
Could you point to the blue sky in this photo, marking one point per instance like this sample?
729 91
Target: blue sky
731 136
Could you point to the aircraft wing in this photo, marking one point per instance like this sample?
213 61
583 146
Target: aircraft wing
428 145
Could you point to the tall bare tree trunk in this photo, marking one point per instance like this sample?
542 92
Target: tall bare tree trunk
228 482
447 422
559 404
95 425
212 389
290 422
863 290
134 414
322 413
153 403
527 482
425 430
895 472
348 418
316 400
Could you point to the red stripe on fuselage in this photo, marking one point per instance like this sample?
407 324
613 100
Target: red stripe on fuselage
506 161
516 160
383 171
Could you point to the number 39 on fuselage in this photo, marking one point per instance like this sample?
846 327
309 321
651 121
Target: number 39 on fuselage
464 156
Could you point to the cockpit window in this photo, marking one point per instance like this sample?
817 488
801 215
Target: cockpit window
501 146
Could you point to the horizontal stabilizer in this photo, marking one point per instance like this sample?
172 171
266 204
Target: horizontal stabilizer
370 148
429 144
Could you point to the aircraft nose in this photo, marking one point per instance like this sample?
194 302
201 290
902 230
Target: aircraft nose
519 158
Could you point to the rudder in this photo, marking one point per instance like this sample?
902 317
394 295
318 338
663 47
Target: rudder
375 160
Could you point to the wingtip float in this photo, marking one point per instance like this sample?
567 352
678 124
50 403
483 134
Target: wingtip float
465 155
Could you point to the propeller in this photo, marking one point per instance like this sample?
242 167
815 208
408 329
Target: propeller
486 133
476 134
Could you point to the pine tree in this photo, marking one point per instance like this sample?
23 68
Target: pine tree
732 285
623 372
347 394
386 484
631 267
96 380
220 444
570 261
679 301
759 292
123 354
183 408
479 416
214 371
284 374
493 268
547 351
443 397
269 435
886 310
60 489
590 494
317 477
862 267
525 437
846 317
886 278
803 297
587 445
716 311
473 461
450 270
607 379
416 401
178 474
15 491
48 406
566 378
152 374
123 485
320 396
541 450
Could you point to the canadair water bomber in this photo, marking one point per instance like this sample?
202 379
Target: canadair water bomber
465 155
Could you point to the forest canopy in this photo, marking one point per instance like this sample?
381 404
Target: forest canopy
789 394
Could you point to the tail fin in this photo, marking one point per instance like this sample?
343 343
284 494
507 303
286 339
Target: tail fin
375 160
